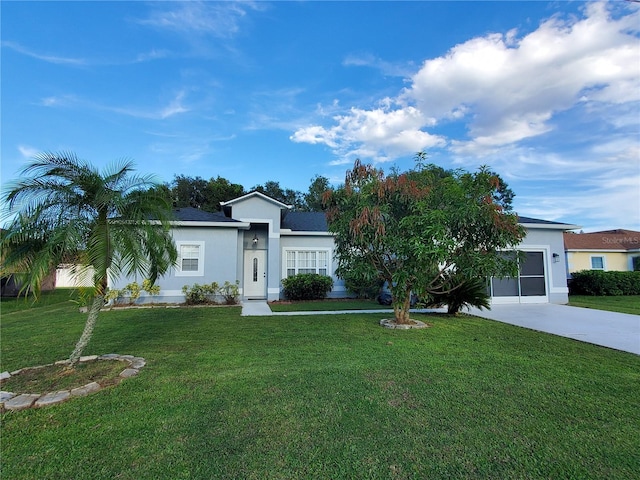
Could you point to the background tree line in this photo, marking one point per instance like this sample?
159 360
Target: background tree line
196 192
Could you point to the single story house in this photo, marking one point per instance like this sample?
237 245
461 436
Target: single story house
609 250
258 241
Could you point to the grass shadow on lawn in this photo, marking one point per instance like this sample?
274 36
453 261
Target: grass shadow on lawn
336 396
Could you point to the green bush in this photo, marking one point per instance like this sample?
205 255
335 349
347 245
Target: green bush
307 286
461 292
197 294
230 292
597 282
132 292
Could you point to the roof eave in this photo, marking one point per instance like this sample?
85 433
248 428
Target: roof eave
550 226
192 223
308 233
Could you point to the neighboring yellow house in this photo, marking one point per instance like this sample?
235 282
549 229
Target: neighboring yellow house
610 250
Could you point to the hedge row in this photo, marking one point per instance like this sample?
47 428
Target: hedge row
597 282
307 286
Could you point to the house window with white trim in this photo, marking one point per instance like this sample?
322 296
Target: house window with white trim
307 261
597 263
190 259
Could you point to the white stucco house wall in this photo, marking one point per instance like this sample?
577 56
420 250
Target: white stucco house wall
258 241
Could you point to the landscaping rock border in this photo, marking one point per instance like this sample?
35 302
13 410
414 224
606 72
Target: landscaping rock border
21 401
391 323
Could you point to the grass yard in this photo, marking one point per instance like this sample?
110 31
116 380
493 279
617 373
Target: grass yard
61 296
622 304
327 305
336 396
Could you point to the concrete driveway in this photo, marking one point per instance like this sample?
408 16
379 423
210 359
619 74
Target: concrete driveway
619 331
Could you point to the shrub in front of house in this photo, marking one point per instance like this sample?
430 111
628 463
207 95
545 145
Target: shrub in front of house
230 292
197 294
597 282
307 286
461 292
131 292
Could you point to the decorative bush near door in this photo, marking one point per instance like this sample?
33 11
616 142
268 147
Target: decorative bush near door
307 286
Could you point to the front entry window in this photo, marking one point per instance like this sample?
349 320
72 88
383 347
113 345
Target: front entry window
255 269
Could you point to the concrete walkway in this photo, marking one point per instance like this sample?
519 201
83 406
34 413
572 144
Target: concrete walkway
255 308
260 308
619 331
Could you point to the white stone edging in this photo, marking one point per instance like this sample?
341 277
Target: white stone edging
391 323
16 401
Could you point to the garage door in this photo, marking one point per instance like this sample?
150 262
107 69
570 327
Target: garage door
529 287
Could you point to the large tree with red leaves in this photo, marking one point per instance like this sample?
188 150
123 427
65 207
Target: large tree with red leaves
414 229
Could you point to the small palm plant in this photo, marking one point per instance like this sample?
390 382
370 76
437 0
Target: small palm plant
112 220
459 292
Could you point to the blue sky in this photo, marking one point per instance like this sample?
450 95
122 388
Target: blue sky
545 93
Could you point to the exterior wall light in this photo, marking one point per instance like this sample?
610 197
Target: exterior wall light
255 239
556 258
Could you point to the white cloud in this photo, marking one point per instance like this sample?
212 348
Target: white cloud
218 19
379 134
153 54
513 88
44 57
174 107
503 89
387 68
611 204
57 101
27 151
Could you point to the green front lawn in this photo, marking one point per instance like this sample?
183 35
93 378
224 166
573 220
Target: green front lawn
60 296
336 396
326 305
622 304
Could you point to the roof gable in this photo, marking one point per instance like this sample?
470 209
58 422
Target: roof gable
256 194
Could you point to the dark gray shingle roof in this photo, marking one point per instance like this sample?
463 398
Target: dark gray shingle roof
525 220
190 214
305 221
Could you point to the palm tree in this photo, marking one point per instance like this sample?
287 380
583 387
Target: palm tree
111 220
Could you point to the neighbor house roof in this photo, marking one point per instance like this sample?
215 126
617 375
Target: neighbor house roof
619 240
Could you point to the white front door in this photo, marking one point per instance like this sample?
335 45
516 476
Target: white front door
255 274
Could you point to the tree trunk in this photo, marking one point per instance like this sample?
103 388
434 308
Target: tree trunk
401 310
98 302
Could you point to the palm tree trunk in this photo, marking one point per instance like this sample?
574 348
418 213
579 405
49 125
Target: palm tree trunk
98 302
